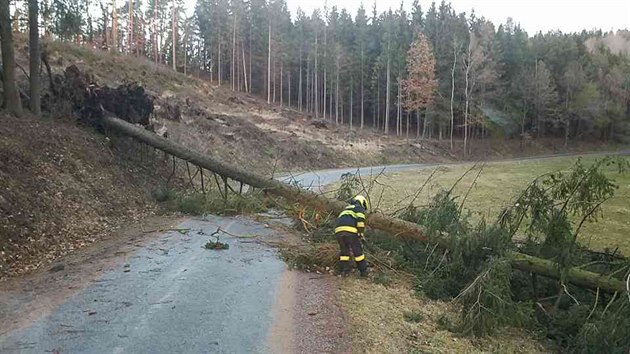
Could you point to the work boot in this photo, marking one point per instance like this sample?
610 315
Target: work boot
363 268
343 269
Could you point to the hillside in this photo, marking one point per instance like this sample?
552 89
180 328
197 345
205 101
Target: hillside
244 129
239 127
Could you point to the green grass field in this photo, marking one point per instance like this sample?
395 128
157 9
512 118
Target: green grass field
498 185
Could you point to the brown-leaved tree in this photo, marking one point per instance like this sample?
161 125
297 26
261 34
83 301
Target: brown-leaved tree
420 85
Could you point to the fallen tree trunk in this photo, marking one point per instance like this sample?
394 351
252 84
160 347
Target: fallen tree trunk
397 227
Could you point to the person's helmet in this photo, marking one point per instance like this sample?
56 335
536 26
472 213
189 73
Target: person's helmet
362 201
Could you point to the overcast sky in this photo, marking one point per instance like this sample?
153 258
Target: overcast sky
533 15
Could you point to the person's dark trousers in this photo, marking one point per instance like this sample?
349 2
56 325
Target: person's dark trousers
349 242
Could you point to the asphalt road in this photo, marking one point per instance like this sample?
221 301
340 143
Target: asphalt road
316 180
170 296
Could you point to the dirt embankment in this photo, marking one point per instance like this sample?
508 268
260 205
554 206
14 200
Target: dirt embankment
63 186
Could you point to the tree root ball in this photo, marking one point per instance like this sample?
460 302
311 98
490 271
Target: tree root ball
128 101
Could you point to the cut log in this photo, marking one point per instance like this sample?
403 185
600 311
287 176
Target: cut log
397 227
575 276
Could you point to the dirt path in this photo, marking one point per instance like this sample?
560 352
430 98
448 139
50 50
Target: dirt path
307 316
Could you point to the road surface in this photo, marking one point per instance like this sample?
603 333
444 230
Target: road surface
171 295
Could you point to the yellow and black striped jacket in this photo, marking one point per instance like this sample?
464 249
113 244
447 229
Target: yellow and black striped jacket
351 220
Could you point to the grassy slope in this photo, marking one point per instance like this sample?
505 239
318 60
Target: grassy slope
499 183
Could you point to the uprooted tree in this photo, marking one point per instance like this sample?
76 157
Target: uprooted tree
476 265
397 227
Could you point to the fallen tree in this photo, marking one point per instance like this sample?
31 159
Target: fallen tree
397 227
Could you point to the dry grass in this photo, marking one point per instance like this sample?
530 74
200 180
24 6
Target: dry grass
377 317
499 184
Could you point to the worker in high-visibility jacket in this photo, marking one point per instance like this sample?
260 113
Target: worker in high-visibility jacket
349 230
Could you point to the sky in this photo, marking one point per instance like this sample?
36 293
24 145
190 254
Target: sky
533 15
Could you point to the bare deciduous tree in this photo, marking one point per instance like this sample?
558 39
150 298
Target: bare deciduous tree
479 68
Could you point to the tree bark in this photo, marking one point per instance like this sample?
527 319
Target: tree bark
330 101
269 67
300 98
325 71
247 84
425 123
407 126
309 84
114 26
453 92
567 121
378 101
398 110
233 75
155 32
316 87
174 29
467 95
34 57
351 112
337 93
324 95
396 227
417 124
12 99
185 44
105 39
362 97
130 27
387 102
251 81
